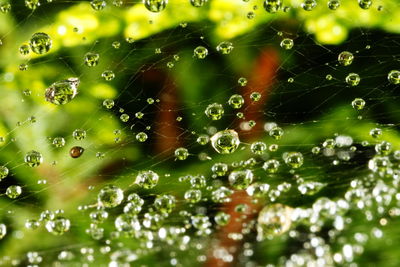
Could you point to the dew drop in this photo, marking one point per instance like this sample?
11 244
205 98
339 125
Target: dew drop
214 111
40 43
200 52
5 7
294 159
333 4
33 158
358 103
272 6
62 92
309 5
79 134
110 196
394 77
181 153
13 191
273 220
236 101
198 3
345 58
353 79
255 96
108 75
3 230
141 137
147 179
225 142
155 5
242 81
3 172
58 142
91 59
76 151
98 4
240 179
108 103
225 48
365 4
58 226
287 43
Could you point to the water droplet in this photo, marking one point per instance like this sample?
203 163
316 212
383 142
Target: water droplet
91 59
220 169
333 4
32 224
272 6
353 79
240 179
98 216
181 153
203 139
32 4
192 195
141 137
365 4
58 226
127 223
165 203
110 196
214 111
309 5
40 43
358 103
255 96
124 117
5 7
271 166
236 101
98 4
58 142
117 45
62 92
225 142
276 132
108 75
287 43
108 103
3 230
222 218
273 220
147 179
345 58
33 158
394 77
76 151
242 81
225 48
294 159
13 191
258 147
79 134
155 5
198 3
24 49
200 52
3 172
375 133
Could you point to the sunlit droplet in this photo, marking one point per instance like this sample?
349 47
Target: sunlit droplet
225 142
40 43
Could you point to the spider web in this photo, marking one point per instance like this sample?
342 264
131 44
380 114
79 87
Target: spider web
340 220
